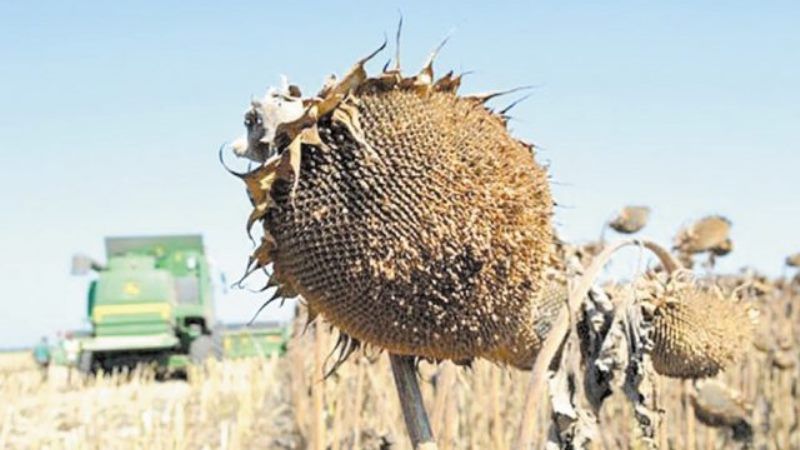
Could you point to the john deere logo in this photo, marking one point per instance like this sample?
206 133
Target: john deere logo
131 288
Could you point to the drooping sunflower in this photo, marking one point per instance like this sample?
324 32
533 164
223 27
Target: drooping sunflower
404 214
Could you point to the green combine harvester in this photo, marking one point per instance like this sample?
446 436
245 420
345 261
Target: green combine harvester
153 302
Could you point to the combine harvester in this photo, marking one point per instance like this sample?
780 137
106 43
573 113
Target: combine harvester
153 302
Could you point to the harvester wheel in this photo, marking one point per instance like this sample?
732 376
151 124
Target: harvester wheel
203 347
217 348
85 362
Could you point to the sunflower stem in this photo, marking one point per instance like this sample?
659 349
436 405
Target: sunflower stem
417 425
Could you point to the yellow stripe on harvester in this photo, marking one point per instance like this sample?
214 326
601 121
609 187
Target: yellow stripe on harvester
162 309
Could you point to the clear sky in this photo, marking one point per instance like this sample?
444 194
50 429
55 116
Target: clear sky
111 115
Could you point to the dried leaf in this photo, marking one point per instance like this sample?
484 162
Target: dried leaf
424 79
447 83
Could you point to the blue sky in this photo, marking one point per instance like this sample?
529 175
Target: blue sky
111 116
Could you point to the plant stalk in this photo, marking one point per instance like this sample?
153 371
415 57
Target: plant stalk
417 424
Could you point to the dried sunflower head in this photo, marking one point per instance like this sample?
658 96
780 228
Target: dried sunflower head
697 332
404 213
710 233
793 260
630 219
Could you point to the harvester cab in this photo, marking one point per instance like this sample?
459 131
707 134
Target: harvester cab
151 301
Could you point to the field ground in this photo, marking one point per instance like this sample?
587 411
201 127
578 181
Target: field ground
283 404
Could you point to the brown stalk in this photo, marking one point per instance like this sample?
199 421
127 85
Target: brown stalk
358 403
417 424
298 386
317 391
450 430
691 442
498 438
444 386
661 428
